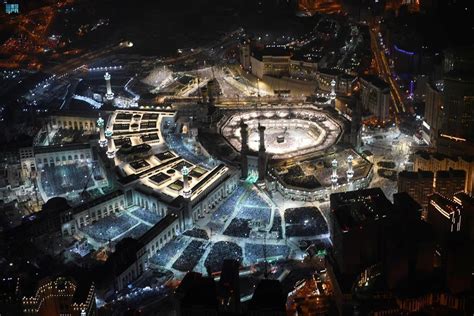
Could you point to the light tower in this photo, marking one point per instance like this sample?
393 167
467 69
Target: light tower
110 144
334 173
262 159
332 95
102 139
109 95
186 194
244 136
350 171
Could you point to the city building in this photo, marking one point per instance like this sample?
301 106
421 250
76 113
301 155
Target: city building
11 8
244 54
344 83
197 295
449 182
375 95
433 110
27 162
304 66
467 203
418 184
438 162
91 211
457 135
357 225
50 156
267 299
84 120
453 124
445 216
274 62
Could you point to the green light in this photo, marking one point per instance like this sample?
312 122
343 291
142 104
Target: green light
321 253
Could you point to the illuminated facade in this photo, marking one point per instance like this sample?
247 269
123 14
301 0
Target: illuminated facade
110 145
109 95
433 109
270 63
101 126
444 215
438 162
61 296
73 121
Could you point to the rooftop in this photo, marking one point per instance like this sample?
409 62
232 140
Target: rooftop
356 208
447 205
158 228
99 200
271 52
376 81
451 173
416 174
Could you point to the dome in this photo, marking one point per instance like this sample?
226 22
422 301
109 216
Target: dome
56 204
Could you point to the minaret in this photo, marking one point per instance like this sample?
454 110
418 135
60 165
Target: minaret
262 158
186 190
334 173
186 194
244 138
109 95
356 120
350 171
101 125
332 95
110 145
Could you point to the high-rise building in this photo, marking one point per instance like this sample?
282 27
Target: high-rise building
228 288
267 299
457 120
418 184
449 182
444 215
357 224
375 95
433 109
456 135
197 295
244 54
436 162
467 203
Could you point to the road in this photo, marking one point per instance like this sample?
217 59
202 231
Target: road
384 70
75 63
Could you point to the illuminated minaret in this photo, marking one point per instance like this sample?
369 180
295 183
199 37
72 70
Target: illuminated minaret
334 173
102 139
110 144
350 171
262 157
186 190
109 95
332 95
186 194
244 137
